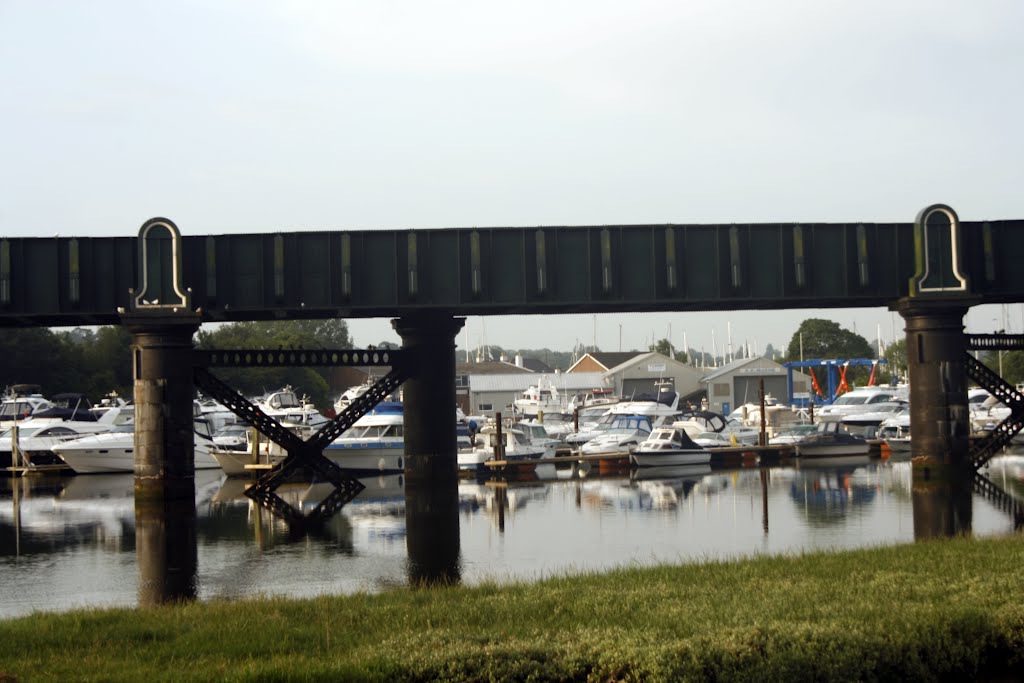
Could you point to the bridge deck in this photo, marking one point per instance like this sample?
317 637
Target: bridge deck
479 271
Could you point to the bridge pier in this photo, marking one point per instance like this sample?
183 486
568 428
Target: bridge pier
939 414
431 467
164 442
429 398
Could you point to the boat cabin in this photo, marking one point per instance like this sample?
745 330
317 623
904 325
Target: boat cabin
668 439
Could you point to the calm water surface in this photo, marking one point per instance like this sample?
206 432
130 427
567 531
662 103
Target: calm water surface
72 541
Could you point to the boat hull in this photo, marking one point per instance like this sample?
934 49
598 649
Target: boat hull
383 458
475 461
103 458
663 458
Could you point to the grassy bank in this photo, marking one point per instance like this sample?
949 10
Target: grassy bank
946 609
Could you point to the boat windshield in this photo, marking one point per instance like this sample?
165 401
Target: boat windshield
15 409
284 399
850 401
711 435
202 428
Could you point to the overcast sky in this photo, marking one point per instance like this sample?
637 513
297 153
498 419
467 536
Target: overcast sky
258 116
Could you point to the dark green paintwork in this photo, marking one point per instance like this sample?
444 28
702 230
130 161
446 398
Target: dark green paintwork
571 269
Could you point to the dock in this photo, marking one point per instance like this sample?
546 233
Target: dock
724 455
21 470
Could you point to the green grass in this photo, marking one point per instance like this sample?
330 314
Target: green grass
947 610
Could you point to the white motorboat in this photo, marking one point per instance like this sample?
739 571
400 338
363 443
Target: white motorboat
542 397
114 451
514 448
232 437
538 435
374 444
22 407
604 396
867 423
660 411
351 394
895 432
234 463
792 434
621 436
284 406
669 446
735 433
863 400
38 435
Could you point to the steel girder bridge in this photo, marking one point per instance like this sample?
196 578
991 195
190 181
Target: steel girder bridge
66 281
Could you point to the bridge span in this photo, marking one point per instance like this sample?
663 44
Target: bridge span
66 281
163 286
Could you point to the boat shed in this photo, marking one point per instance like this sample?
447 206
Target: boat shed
489 394
737 383
645 373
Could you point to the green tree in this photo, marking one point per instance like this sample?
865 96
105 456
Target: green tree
664 347
826 339
896 355
37 355
1013 366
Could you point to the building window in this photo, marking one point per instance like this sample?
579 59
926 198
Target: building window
461 381
720 389
485 407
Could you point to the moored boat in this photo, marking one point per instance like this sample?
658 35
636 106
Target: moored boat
37 436
830 444
511 446
114 451
669 446
374 444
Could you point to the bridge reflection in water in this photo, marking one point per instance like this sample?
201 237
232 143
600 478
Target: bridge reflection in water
83 541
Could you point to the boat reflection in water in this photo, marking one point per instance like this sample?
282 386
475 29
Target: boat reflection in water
82 541
827 495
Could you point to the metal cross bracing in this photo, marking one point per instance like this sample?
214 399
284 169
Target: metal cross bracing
302 453
989 490
984 450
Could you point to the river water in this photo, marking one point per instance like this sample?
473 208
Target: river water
68 542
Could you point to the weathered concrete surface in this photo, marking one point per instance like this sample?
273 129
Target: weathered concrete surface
164 390
939 414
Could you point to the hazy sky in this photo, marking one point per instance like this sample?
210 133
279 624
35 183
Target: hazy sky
257 116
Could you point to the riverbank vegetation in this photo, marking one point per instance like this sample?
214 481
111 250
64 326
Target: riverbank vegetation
947 610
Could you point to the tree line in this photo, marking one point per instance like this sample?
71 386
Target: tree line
98 362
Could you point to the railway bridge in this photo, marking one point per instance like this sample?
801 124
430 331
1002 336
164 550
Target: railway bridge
163 285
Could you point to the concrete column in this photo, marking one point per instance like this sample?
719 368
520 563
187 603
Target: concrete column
431 469
429 398
164 445
939 415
